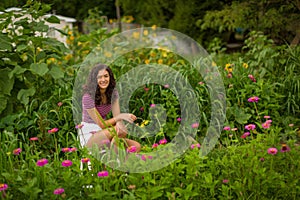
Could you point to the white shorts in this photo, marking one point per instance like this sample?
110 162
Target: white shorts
86 132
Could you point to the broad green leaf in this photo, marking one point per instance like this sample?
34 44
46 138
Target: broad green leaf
53 19
6 83
3 103
21 47
17 70
41 27
5 44
24 95
56 72
40 69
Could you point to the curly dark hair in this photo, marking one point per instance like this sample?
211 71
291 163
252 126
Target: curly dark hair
92 87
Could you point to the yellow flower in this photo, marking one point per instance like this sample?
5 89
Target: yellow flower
160 61
39 49
152 54
111 21
154 27
70 33
8 153
164 54
51 60
136 35
108 54
146 32
228 67
79 43
213 64
72 38
142 125
68 56
147 61
245 65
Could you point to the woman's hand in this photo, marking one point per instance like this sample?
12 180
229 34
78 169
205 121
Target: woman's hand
125 116
121 129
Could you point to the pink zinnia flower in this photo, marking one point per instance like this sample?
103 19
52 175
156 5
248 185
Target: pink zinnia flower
150 157
225 181
195 145
154 145
250 127
102 174
166 86
73 149
3 186
291 125
262 159
163 141
200 83
66 149
285 148
42 162
253 99
152 105
17 151
229 75
141 109
85 160
66 163
226 128
59 104
54 130
246 134
79 126
33 138
267 117
143 157
234 129
195 125
58 191
131 149
272 151
146 89
198 145
252 78
179 119
192 146
266 125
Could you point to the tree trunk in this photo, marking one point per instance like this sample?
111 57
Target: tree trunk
118 14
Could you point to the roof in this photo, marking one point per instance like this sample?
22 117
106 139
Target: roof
63 18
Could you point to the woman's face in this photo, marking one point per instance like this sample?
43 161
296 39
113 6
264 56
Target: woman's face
103 79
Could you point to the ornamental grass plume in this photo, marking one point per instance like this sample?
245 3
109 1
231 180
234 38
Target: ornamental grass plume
17 151
253 99
58 191
66 163
272 151
42 162
102 174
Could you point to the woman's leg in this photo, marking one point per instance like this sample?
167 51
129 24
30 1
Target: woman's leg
130 143
101 138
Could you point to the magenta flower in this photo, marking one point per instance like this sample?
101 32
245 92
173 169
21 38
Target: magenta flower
144 157
195 125
54 130
285 148
225 181
42 162
266 125
246 134
253 99
73 149
17 151
251 78
58 191
195 145
33 138
166 86
262 159
146 89
198 145
226 128
59 104
152 105
192 146
163 141
3 186
154 145
267 117
150 157
85 160
179 119
250 127
66 149
272 151
66 163
131 149
79 126
234 129
102 174
142 109
200 83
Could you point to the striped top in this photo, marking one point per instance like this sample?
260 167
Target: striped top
88 103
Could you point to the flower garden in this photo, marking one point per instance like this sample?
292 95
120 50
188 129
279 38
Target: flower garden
255 157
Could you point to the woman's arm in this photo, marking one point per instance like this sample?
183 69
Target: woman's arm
94 114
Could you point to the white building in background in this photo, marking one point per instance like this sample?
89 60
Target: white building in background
65 22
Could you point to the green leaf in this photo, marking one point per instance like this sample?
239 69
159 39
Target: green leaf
21 47
24 94
56 72
41 27
53 19
3 103
5 44
17 70
40 69
6 83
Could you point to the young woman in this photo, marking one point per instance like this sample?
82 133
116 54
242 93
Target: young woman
98 100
